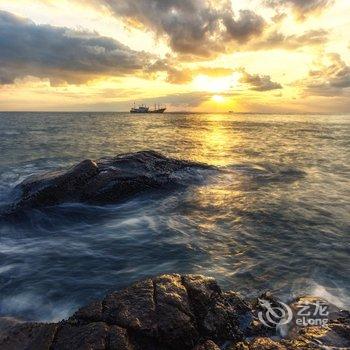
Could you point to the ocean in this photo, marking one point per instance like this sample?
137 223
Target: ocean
276 216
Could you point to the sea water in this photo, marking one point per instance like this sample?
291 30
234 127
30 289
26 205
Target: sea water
275 216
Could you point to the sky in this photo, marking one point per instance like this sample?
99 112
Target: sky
271 56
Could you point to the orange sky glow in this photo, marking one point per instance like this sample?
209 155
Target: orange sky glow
273 56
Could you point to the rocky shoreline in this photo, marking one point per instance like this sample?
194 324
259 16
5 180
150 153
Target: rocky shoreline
175 312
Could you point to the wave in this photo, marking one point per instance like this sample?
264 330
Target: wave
265 173
332 292
45 309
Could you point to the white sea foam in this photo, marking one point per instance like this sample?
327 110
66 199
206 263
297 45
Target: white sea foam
35 306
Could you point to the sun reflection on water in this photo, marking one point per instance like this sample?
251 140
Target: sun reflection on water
216 138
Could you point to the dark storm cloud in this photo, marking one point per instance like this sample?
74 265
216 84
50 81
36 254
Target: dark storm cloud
332 79
301 7
192 27
202 28
248 25
60 54
258 82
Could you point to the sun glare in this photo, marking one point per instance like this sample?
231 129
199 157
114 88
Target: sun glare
203 82
216 84
218 98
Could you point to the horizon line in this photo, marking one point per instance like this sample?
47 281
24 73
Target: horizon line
174 112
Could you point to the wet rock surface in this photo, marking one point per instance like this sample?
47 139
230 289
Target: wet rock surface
107 180
171 312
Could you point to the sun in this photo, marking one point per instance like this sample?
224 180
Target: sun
216 84
218 98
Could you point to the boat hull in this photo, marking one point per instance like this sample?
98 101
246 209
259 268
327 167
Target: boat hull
160 110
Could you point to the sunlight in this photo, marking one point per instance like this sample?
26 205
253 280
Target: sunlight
218 98
203 82
215 140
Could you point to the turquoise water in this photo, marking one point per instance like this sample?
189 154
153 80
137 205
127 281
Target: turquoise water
276 215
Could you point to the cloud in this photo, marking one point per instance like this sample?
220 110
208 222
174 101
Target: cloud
331 78
182 76
258 82
193 27
178 75
204 28
177 101
187 75
247 25
186 99
214 71
69 56
61 54
277 39
301 8
174 75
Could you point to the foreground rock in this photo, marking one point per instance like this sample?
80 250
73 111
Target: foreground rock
170 312
107 180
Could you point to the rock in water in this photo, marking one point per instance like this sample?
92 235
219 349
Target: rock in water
169 312
106 180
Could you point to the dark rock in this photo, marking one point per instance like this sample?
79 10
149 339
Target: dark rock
107 180
90 336
90 313
207 345
171 312
175 320
227 318
202 291
118 339
259 344
6 323
133 308
29 336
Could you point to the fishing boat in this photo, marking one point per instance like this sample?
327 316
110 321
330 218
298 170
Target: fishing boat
157 109
139 109
145 109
